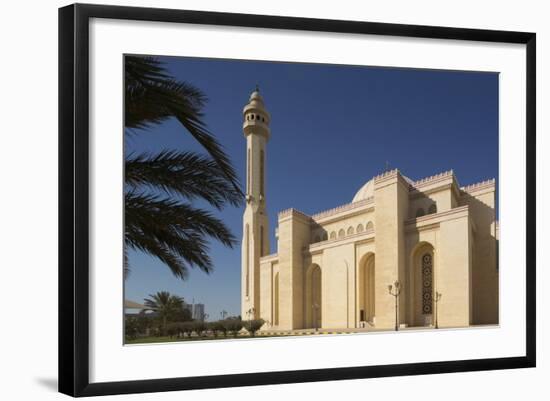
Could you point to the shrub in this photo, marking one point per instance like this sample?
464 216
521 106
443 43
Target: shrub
187 328
199 327
220 327
175 329
137 325
254 325
233 325
211 326
131 328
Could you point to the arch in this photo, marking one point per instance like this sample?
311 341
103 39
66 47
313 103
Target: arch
317 239
350 231
341 233
432 209
333 235
276 300
360 228
370 226
325 236
314 297
422 285
420 212
366 290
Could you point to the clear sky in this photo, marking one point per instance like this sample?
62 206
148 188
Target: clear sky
333 128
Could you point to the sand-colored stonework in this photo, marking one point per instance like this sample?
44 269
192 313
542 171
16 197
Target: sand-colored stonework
332 269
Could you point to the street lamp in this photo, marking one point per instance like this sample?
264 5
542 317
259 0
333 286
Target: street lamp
395 290
436 299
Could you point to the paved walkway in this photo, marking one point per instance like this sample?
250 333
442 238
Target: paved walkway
302 332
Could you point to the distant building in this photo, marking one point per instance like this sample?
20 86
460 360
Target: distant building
198 312
132 307
188 307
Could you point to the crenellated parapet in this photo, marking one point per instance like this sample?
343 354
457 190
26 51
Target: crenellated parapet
292 212
386 175
432 179
342 208
478 186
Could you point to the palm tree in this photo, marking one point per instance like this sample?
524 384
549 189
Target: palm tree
159 218
166 305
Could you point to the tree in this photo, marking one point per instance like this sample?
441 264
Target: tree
159 219
199 326
174 329
233 325
166 305
254 325
183 315
187 328
220 327
131 327
137 325
211 326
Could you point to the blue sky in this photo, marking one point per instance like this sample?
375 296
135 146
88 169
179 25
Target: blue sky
333 128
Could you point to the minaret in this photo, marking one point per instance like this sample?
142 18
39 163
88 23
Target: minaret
255 222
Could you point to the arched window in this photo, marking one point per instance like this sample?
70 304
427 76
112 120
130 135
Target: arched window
432 209
350 231
360 228
341 233
333 235
325 236
420 212
370 226
427 284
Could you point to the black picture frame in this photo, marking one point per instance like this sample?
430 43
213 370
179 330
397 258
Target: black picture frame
74 198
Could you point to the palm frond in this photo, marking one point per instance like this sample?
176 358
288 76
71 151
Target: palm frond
181 173
172 231
152 96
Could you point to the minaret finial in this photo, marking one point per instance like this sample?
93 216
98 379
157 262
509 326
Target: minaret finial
257 87
387 166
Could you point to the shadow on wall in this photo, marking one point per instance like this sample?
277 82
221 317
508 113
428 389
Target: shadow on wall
486 296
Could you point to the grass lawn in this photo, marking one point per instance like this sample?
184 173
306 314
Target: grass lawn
166 339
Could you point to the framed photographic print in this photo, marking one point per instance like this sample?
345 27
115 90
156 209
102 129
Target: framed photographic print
279 199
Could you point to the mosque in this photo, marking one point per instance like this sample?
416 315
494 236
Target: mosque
402 253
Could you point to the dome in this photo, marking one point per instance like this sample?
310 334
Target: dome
255 95
255 102
367 190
